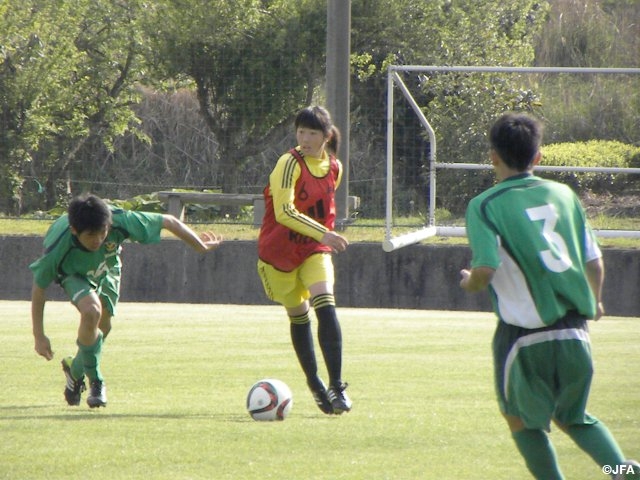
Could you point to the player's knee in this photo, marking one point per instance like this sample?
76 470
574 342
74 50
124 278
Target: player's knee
90 313
515 423
105 328
562 426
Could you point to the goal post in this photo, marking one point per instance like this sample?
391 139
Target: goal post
394 80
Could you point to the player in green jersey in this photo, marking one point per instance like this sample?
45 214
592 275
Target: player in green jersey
534 250
82 254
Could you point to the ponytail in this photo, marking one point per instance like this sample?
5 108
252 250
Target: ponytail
333 144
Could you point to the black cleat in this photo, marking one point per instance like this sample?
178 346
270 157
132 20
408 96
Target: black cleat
74 388
340 401
321 398
97 394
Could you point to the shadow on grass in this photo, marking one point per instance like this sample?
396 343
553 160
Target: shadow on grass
30 413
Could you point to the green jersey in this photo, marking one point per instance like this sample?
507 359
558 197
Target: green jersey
534 233
64 255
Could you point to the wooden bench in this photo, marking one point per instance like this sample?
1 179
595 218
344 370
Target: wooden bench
177 200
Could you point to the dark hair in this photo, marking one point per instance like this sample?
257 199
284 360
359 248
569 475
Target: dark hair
319 118
516 138
88 212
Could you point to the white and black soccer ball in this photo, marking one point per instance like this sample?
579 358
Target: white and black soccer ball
269 399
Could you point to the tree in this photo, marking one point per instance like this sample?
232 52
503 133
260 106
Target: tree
253 64
31 78
71 88
459 106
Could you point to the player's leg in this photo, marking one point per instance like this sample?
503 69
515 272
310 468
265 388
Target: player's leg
596 440
90 340
317 272
105 323
329 331
109 292
574 381
525 399
76 287
302 341
284 288
536 449
96 311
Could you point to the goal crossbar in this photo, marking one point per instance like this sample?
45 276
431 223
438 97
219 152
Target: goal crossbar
390 242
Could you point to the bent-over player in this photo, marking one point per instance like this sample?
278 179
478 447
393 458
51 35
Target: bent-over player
82 254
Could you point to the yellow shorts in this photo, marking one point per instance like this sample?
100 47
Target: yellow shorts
292 288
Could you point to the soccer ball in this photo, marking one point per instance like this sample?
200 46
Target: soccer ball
269 399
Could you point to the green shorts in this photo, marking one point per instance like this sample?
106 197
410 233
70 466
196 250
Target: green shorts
108 289
291 289
544 373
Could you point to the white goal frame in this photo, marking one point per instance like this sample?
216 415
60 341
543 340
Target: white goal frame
391 243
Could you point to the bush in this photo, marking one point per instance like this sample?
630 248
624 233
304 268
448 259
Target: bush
594 153
456 187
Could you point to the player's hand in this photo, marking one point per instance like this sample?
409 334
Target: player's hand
43 347
334 240
210 240
465 274
599 311
476 279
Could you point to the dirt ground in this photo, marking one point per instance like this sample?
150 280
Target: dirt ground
623 206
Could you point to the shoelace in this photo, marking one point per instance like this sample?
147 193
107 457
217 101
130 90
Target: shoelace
75 385
96 389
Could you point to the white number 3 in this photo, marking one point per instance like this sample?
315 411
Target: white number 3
556 258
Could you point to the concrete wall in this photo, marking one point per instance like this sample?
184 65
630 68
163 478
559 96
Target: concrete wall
417 277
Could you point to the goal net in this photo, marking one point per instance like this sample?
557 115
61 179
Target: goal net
454 106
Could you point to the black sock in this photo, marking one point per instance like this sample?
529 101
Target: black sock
329 336
302 340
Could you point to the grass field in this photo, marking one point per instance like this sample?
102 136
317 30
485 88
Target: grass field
360 231
178 375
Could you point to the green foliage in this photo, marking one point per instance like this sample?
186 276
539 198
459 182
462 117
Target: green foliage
141 203
72 86
252 74
456 188
459 106
590 33
76 77
585 107
595 153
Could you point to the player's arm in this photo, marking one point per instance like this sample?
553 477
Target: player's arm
204 242
282 183
476 279
595 276
42 343
287 215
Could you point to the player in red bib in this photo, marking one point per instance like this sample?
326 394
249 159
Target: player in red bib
295 246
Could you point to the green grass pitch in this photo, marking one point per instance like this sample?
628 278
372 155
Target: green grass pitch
178 375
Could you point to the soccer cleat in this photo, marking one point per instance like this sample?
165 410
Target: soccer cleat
74 388
321 399
340 401
97 394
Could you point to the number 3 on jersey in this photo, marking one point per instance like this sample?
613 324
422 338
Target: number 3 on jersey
556 258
